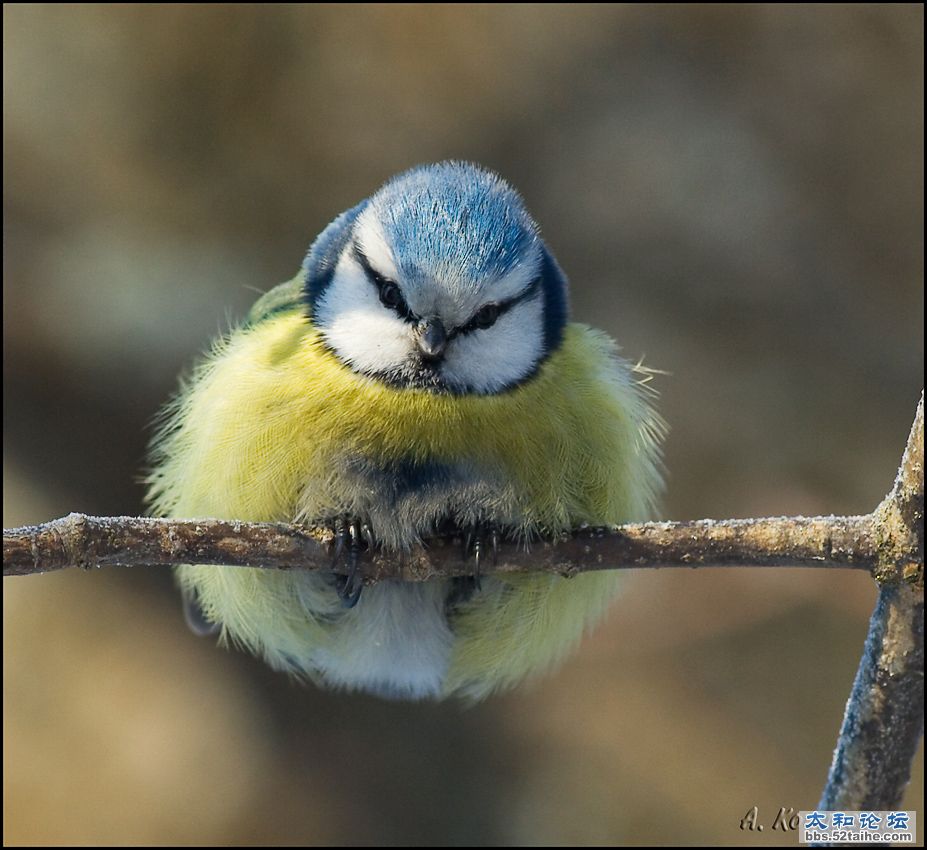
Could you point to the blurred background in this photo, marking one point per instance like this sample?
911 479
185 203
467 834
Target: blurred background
736 193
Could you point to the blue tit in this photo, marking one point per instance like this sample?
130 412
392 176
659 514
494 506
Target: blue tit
418 374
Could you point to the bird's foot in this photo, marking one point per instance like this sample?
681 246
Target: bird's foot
480 541
351 535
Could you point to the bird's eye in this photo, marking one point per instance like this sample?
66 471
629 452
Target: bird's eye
390 296
486 316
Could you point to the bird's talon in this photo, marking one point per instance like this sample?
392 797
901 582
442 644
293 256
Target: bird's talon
349 590
480 538
337 541
350 537
367 532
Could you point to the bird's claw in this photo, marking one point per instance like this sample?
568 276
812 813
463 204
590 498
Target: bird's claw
480 539
350 536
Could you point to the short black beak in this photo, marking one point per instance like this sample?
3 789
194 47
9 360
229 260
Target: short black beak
432 338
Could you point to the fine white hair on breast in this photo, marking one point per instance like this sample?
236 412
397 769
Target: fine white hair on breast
396 643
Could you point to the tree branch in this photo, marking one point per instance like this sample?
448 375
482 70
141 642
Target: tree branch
879 542
884 715
87 541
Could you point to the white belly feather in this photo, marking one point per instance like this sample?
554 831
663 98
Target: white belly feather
395 643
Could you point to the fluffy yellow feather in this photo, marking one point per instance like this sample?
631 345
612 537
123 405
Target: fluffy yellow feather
262 433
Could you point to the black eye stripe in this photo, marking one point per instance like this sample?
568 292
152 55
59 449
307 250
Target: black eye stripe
502 307
486 316
389 291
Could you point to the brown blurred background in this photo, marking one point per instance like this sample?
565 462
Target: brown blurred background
735 192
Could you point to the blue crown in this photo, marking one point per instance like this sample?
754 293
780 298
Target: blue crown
455 216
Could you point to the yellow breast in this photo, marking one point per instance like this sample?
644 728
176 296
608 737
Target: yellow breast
261 433
273 409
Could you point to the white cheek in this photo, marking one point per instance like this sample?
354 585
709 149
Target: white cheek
357 326
486 361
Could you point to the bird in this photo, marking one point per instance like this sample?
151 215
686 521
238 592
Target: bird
419 374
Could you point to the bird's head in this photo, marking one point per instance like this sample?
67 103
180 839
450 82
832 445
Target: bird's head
438 281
